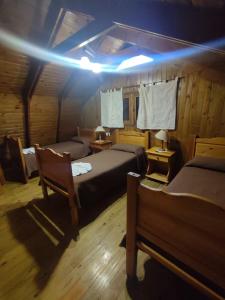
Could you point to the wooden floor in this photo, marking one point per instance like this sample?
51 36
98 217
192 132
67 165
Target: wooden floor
39 260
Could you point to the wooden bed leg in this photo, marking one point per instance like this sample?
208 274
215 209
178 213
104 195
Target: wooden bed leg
44 190
74 217
73 211
131 247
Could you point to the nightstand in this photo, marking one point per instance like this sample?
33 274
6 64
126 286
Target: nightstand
97 146
160 164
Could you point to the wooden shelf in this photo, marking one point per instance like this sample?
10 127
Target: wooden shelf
158 177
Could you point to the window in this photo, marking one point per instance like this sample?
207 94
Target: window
126 115
130 108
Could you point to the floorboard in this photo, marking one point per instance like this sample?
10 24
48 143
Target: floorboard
40 260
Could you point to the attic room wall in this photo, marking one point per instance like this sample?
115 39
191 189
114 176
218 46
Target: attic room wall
11 116
43 119
44 104
69 118
200 103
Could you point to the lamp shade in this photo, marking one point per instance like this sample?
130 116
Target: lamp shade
99 129
161 135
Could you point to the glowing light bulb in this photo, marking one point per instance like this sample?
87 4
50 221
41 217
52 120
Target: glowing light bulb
85 63
96 68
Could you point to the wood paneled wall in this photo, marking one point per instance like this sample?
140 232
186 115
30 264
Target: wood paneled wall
69 118
11 116
200 102
43 119
13 71
52 80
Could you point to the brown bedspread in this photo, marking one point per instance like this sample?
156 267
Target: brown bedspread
109 172
76 150
202 182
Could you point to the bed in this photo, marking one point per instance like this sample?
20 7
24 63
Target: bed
24 160
183 225
109 170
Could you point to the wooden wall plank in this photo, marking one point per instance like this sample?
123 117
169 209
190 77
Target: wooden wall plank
43 119
11 116
200 103
69 119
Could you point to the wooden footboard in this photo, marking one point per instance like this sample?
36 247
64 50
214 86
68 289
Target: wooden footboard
188 228
55 172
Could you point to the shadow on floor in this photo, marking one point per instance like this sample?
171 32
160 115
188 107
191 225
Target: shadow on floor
161 284
44 228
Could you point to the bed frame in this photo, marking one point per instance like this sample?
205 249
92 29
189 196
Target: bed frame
55 169
186 227
15 149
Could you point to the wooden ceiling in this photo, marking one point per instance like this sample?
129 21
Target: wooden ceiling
199 3
26 19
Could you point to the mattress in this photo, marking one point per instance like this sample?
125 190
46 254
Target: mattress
109 172
204 177
77 150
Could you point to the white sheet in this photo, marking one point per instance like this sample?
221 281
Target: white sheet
157 106
80 168
30 150
112 109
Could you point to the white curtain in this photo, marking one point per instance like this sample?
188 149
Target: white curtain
112 108
157 106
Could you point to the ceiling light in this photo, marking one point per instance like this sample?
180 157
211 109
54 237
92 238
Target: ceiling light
134 61
85 63
96 68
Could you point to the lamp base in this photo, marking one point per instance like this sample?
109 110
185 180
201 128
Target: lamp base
161 150
100 141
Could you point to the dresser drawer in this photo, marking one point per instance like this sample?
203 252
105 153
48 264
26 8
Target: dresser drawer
158 158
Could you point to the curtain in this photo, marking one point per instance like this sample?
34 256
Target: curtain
157 106
112 109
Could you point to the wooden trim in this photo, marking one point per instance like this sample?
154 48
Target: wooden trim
210 147
86 35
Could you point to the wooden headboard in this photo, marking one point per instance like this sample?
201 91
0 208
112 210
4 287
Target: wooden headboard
210 147
133 137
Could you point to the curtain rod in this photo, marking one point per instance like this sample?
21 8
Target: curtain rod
138 85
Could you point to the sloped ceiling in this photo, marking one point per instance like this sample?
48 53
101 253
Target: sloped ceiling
25 18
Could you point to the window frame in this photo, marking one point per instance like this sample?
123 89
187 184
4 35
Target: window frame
131 96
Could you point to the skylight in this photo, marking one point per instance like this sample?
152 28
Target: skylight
134 61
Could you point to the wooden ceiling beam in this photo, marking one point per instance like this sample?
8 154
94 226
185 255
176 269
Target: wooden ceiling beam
193 24
86 35
52 24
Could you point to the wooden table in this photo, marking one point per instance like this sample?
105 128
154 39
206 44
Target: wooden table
100 145
155 159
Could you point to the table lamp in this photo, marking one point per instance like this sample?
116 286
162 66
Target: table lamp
99 130
162 136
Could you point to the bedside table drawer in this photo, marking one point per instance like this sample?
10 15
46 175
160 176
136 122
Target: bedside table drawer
158 158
